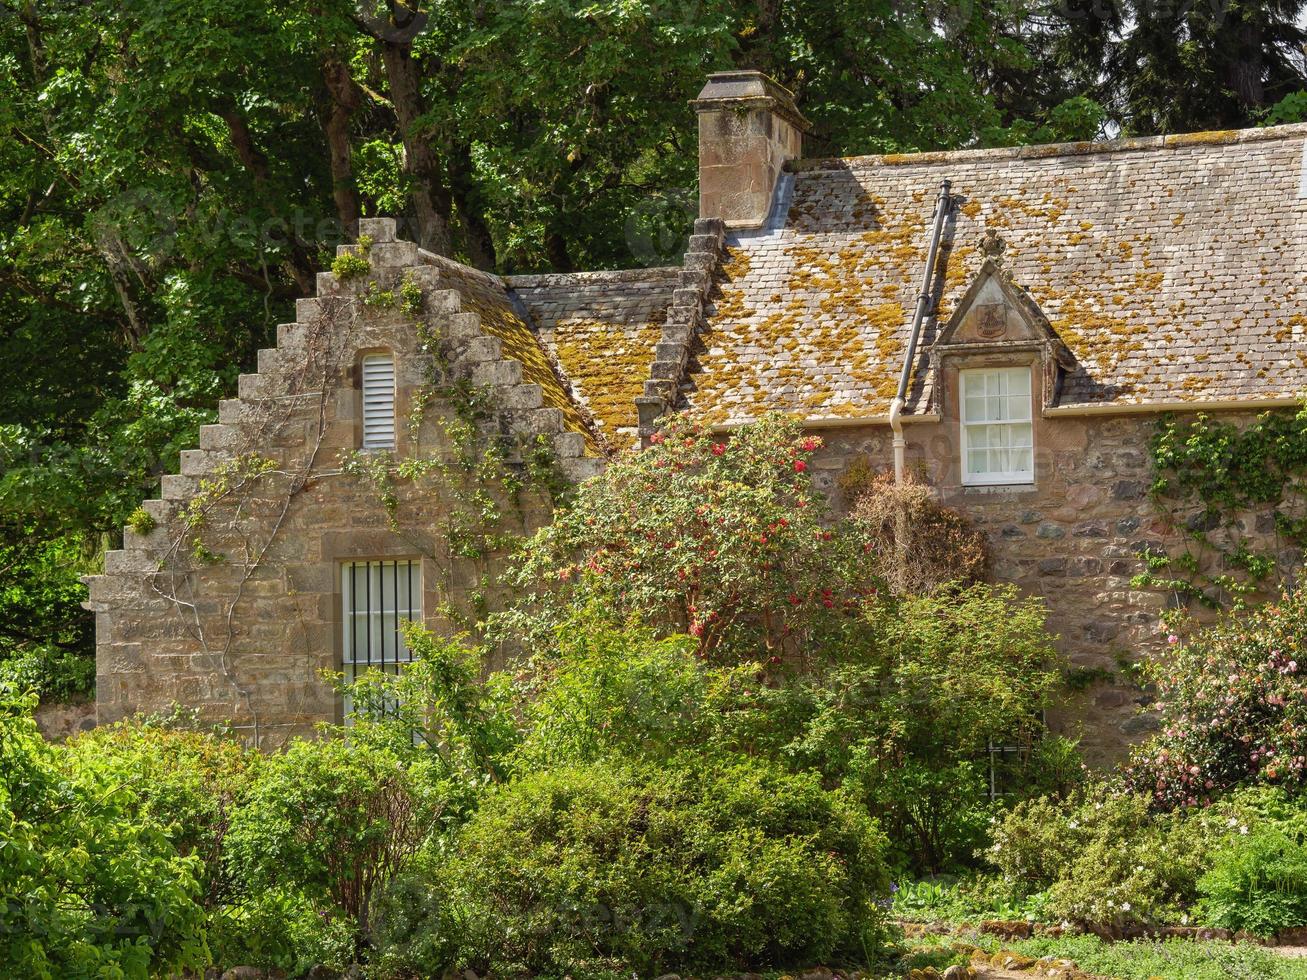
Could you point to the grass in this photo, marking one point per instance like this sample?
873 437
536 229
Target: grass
1169 959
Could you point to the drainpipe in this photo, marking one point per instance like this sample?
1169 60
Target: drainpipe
942 204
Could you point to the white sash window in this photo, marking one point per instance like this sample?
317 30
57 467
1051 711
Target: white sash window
997 430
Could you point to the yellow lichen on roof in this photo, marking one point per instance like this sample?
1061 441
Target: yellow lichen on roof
607 364
1155 274
518 342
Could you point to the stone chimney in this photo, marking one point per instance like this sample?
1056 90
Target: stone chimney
748 128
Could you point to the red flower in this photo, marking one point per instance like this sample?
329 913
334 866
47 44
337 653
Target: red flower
656 438
800 466
809 444
718 449
696 629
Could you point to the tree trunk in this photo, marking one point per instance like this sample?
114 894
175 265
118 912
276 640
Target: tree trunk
431 199
480 246
556 251
345 100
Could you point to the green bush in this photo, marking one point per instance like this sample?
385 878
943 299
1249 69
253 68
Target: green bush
188 782
54 673
1258 884
1104 858
612 869
327 824
90 885
907 724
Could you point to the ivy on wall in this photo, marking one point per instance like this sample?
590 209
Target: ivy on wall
1238 494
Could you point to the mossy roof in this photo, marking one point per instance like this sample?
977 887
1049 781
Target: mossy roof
1174 269
600 328
488 297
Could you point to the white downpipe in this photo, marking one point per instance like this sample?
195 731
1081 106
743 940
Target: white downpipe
900 443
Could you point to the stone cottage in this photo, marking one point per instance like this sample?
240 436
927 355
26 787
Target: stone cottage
1076 292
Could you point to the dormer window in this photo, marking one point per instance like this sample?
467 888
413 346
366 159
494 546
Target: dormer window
378 372
997 429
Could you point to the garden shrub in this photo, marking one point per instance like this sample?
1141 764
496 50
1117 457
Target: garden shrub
1234 709
610 869
1106 859
90 885
619 693
939 545
1258 883
329 823
721 538
188 782
907 725
449 725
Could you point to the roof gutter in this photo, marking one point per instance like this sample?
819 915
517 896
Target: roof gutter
942 204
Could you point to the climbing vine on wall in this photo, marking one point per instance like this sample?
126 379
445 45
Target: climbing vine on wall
471 486
1239 495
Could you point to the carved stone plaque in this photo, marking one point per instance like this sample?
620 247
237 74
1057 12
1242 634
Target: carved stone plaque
990 320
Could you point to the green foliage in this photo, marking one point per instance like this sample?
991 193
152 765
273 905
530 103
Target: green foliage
908 725
329 823
141 521
1258 884
724 539
354 263
1290 109
622 693
189 782
1170 959
1106 858
88 887
1208 475
602 871
47 642
969 899
438 713
52 673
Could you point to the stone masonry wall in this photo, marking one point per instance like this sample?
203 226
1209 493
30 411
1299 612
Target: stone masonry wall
1073 538
230 605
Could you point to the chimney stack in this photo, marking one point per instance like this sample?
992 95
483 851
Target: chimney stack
748 128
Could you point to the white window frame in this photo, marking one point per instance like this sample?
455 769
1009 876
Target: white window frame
377 384
376 596
999 404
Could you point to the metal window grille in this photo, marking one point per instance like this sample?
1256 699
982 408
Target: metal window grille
378 401
377 597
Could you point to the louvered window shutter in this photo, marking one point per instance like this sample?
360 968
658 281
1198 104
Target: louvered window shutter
378 401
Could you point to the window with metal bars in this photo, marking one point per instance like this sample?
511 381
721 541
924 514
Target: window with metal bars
378 372
377 597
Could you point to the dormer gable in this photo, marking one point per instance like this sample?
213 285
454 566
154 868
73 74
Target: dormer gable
995 317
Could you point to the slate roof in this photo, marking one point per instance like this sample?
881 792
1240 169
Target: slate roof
486 295
600 328
1173 268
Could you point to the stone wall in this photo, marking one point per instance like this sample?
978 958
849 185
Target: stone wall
231 603
1073 538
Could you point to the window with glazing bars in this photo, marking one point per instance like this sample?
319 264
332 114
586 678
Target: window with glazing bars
377 597
997 430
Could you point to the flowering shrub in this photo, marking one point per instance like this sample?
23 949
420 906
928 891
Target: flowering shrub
721 538
1104 858
1234 709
